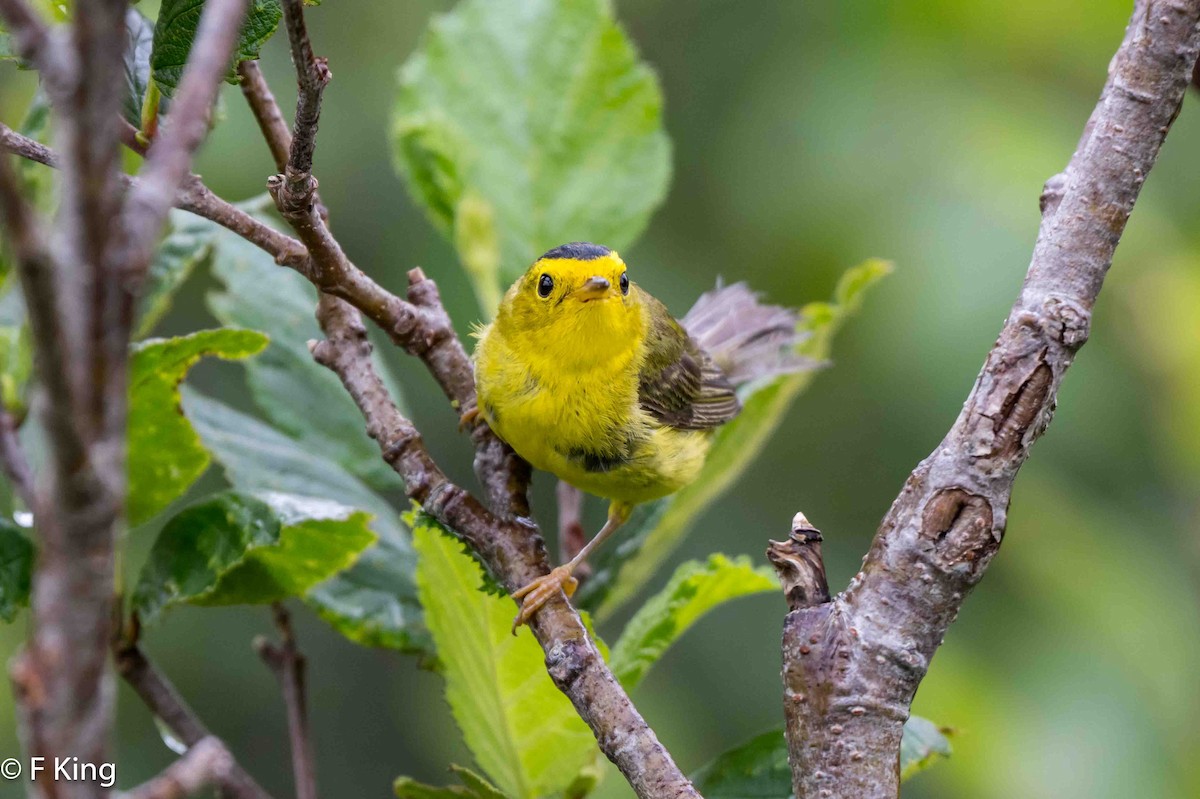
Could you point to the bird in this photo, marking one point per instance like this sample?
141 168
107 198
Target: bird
589 377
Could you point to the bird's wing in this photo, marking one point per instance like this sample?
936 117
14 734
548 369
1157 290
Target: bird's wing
679 384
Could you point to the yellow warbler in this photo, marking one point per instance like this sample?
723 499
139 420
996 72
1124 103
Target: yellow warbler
590 378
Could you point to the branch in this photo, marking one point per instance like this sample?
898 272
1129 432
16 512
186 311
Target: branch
34 42
513 552
287 663
13 460
63 697
861 656
36 271
206 763
170 155
312 76
193 196
266 112
800 566
168 706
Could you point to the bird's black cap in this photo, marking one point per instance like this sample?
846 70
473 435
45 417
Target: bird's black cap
577 251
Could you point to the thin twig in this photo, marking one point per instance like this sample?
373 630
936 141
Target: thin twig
206 763
864 653
61 688
36 270
266 112
513 549
312 76
419 326
513 552
14 462
170 155
165 702
33 41
287 663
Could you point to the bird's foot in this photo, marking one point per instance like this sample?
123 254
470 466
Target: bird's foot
469 418
536 594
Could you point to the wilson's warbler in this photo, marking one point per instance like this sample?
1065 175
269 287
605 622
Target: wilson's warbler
590 378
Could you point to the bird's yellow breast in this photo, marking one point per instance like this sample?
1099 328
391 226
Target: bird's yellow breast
567 402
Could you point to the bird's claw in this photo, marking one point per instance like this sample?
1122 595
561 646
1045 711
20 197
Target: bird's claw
537 593
468 419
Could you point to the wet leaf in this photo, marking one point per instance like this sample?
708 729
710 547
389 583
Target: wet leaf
374 603
241 549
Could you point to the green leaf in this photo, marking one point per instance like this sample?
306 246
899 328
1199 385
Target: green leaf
473 787
693 590
373 603
239 549
923 744
188 242
289 387
539 115
522 730
139 33
176 28
165 454
16 569
759 768
657 528
16 352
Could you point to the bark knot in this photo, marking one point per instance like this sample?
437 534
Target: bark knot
1070 321
1019 411
959 523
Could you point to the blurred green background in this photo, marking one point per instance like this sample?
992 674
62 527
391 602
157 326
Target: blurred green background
809 136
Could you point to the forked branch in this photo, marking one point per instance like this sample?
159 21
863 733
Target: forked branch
513 549
852 665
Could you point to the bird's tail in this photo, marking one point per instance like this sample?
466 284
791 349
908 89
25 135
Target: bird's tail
747 339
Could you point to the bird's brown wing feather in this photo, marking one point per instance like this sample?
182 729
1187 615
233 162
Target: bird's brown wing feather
679 384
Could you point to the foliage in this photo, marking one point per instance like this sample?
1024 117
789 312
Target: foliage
473 787
176 28
694 589
759 768
187 244
165 454
16 566
288 386
923 744
518 125
375 601
529 123
522 731
139 33
16 353
658 528
236 549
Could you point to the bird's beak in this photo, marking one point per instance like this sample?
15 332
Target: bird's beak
594 288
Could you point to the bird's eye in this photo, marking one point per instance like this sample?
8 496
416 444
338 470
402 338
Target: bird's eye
545 286
624 283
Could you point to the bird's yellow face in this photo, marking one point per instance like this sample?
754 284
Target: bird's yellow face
577 304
